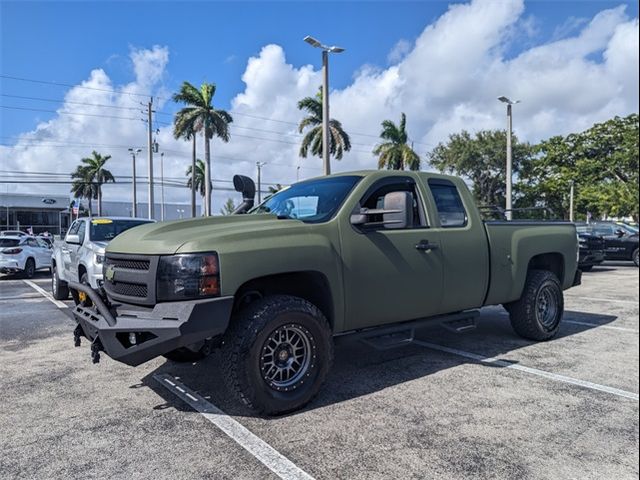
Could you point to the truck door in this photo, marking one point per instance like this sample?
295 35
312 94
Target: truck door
464 246
74 249
391 274
69 250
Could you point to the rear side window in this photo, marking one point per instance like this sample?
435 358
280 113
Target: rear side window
448 203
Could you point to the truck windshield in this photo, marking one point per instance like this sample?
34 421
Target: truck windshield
313 201
105 229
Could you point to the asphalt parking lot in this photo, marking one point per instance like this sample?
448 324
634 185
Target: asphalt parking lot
482 404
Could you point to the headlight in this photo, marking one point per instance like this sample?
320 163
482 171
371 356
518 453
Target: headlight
99 258
188 276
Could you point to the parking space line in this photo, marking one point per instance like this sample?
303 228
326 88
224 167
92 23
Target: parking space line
610 327
262 451
612 300
533 371
45 294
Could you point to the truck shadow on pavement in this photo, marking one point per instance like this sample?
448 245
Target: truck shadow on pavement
360 369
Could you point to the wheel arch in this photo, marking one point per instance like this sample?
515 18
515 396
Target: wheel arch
310 285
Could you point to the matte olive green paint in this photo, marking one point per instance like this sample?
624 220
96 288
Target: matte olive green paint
377 277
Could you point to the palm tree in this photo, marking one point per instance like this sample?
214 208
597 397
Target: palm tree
200 116
89 177
395 153
275 188
339 141
228 207
189 134
200 175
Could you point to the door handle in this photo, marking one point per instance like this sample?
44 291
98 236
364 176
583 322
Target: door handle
425 245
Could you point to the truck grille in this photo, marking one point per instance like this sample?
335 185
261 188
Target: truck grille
130 278
129 289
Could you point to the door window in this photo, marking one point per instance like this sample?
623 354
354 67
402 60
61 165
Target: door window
81 230
450 208
375 199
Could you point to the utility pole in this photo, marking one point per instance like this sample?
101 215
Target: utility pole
162 187
571 193
133 183
326 145
509 199
260 165
150 147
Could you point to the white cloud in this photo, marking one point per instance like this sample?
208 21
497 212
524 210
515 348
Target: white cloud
399 50
447 81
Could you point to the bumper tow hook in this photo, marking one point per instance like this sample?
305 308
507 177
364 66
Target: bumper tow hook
77 333
96 348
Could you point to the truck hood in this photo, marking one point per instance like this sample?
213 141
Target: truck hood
199 234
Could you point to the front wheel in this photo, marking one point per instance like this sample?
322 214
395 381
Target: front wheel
634 257
277 353
537 314
59 288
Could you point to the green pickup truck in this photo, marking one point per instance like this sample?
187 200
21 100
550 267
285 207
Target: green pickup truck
369 254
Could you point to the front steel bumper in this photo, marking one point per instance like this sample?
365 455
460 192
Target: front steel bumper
157 330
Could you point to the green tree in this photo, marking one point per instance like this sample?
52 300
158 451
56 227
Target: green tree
89 177
187 133
275 188
228 207
602 162
200 116
200 178
339 141
394 153
481 158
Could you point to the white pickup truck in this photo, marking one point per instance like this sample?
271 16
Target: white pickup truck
79 256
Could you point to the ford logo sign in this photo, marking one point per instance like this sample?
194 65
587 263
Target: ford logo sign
49 201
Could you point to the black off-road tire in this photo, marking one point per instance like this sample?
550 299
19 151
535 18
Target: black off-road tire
586 268
247 338
526 319
29 268
59 288
634 257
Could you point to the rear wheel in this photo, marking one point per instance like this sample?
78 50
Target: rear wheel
277 353
29 268
59 288
537 314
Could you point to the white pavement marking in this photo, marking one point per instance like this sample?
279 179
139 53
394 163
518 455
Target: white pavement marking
613 300
45 294
610 327
265 453
533 371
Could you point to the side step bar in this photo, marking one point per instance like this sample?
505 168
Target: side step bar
397 335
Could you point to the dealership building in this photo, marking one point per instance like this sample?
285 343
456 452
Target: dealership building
51 213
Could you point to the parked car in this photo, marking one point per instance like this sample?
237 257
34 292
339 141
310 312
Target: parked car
364 253
591 250
13 233
23 254
79 257
621 240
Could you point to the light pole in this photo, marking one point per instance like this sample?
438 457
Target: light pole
133 153
509 203
571 193
260 165
162 186
325 97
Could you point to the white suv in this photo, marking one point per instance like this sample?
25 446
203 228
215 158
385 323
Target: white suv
80 255
23 254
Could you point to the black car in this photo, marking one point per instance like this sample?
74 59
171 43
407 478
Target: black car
591 251
621 240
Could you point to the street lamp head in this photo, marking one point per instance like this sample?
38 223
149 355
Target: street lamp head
312 41
508 101
335 49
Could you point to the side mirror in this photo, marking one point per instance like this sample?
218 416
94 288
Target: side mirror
400 207
73 239
397 212
620 233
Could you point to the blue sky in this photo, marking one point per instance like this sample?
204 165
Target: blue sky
211 41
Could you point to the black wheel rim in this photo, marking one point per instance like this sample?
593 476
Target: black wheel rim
30 269
287 357
547 306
